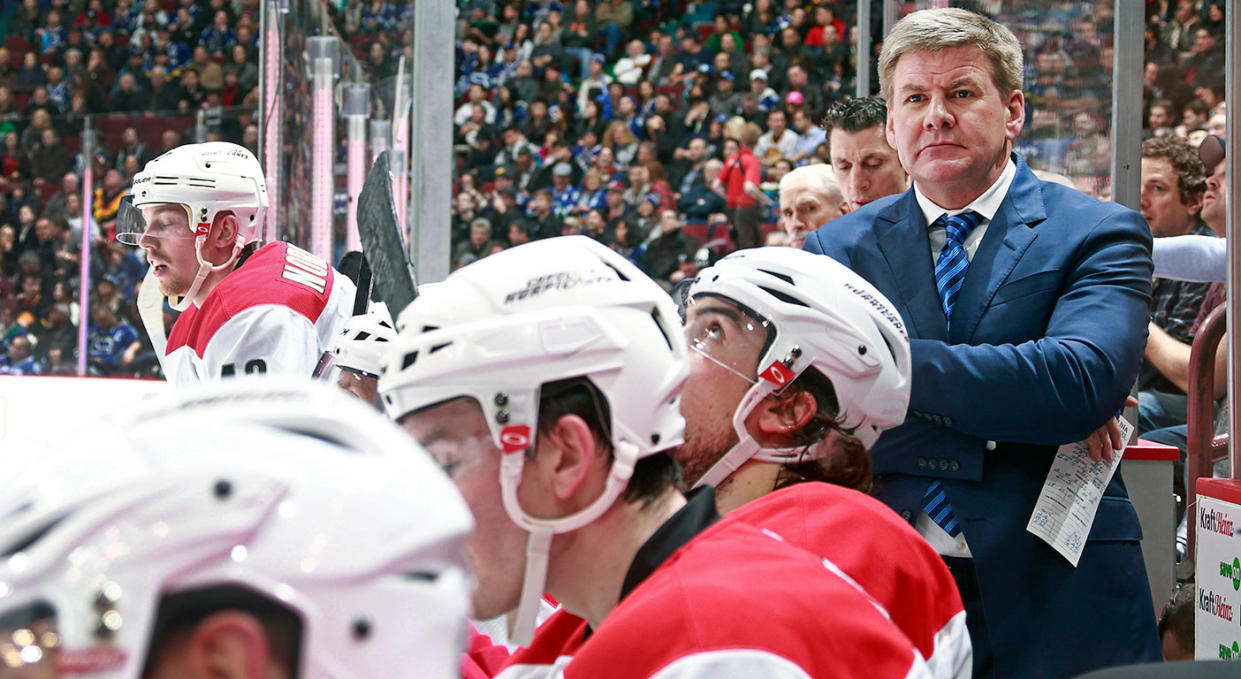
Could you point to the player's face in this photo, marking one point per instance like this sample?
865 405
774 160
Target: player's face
804 209
950 124
364 387
457 436
866 167
725 343
1160 199
170 250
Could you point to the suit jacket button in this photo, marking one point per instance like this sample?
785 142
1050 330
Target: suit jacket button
990 445
953 465
906 514
943 464
947 421
922 463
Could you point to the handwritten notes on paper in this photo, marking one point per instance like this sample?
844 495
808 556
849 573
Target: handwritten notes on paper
1066 507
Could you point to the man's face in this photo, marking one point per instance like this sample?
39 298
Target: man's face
697 150
456 435
724 351
866 167
804 208
1203 41
1159 117
950 125
170 247
365 387
775 122
1215 200
479 234
1161 202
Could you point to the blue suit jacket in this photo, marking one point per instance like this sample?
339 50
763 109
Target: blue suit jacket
1046 339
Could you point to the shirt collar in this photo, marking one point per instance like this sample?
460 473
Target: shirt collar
697 514
987 205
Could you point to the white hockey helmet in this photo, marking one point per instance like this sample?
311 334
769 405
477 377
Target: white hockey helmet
817 314
206 179
501 328
361 344
328 514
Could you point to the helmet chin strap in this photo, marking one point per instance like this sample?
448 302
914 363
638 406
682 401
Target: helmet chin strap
204 269
746 447
538 546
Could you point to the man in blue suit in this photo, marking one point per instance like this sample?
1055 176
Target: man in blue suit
1026 304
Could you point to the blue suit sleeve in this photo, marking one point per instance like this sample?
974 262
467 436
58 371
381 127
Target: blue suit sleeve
1064 385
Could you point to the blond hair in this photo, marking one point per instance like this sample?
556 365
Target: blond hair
931 30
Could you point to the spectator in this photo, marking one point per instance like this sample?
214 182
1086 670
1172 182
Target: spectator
1173 181
19 359
666 246
107 200
739 180
614 18
218 37
51 160
13 163
127 96
547 50
247 71
30 75
112 343
702 200
476 247
725 101
630 68
778 142
1176 624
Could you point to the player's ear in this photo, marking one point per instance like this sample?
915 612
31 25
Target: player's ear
229 645
224 233
570 457
779 416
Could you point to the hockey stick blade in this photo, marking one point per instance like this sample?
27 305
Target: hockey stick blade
381 239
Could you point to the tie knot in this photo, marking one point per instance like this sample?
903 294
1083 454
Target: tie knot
958 227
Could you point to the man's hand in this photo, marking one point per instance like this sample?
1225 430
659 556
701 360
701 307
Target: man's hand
1107 438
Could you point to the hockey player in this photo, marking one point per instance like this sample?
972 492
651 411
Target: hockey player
358 349
546 380
796 367
296 534
197 211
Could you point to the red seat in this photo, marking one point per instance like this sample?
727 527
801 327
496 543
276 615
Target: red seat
17 46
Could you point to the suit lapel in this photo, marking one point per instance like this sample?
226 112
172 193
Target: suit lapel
1008 238
902 236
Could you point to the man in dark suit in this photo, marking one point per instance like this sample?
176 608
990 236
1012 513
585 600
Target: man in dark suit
1033 343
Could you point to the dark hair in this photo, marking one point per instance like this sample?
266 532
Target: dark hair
1178 617
1191 174
848 463
1198 106
856 114
180 613
652 475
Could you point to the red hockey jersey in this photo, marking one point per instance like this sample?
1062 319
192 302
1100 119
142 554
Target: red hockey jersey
276 313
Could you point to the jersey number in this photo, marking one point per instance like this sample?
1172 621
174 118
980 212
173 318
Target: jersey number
254 366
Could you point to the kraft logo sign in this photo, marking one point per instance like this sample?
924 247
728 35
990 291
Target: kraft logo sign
1215 604
515 438
777 374
1232 571
1227 652
1216 522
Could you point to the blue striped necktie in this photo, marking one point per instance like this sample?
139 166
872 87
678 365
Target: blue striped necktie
949 276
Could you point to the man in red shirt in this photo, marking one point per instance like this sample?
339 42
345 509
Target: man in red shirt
738 183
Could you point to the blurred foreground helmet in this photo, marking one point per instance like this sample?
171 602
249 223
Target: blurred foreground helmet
289 501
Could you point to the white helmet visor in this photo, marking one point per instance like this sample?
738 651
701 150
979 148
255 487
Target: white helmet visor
132 224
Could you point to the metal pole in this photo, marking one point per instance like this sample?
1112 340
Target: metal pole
863 48
321 155
400 143
890 9
356 109
381 137
1127 104
432 138
270 117
1233 52
88 210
